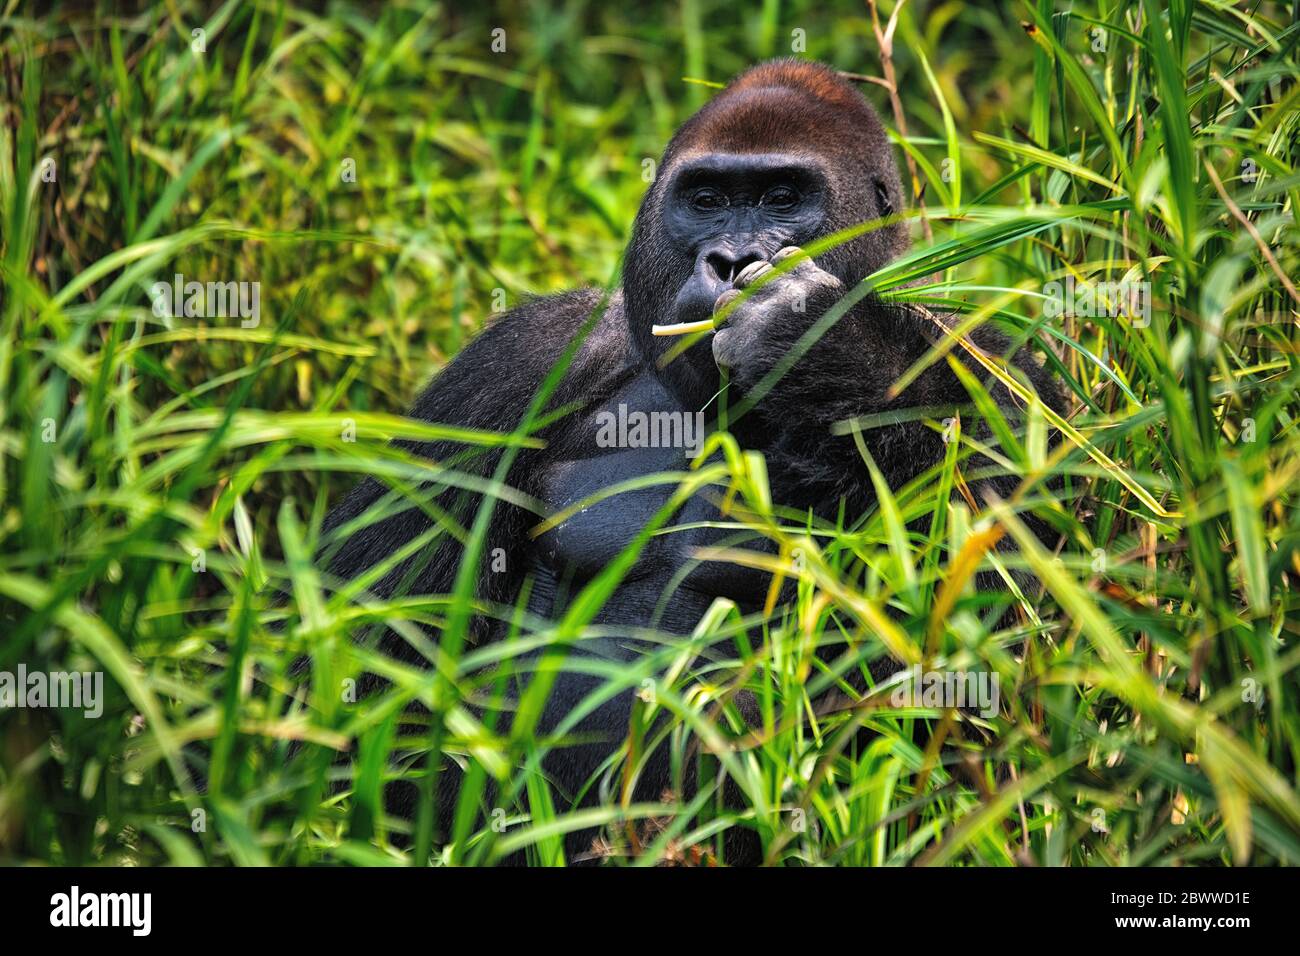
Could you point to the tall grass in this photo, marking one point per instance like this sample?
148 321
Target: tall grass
165 478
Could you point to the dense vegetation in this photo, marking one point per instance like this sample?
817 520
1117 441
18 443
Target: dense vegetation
391 181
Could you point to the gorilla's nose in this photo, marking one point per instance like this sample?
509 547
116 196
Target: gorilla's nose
726 261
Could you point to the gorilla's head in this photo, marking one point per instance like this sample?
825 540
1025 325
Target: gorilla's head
786 154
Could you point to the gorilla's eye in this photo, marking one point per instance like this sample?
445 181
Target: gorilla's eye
780 197
882 197
708 200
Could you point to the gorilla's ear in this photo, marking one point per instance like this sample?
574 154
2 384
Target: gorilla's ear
882 197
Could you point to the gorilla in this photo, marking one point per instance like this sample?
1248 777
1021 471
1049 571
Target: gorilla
788 153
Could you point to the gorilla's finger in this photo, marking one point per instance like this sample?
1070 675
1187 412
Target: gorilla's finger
751 272
786 253
725 299
728 346
719 348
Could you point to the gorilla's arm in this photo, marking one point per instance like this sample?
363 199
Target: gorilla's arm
489 385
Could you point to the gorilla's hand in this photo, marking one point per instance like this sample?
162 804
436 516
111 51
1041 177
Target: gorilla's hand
763 327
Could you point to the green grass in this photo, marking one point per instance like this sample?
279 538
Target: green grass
165 478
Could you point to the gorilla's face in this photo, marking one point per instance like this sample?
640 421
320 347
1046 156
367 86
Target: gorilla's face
725 211
787 154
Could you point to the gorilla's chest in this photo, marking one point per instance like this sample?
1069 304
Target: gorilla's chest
641 444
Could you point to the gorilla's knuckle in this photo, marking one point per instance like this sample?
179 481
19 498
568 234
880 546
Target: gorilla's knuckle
802 270
763 311
823 280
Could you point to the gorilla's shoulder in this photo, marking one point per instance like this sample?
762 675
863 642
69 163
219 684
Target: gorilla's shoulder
545 325
562 309
497 373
